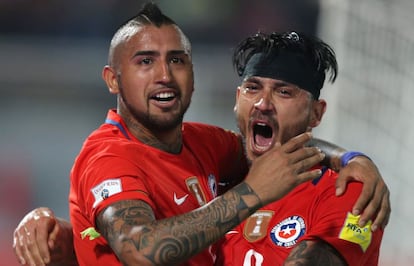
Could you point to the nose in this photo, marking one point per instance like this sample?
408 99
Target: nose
164 72
265 103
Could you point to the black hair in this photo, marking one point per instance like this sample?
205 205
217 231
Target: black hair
151 14
318 55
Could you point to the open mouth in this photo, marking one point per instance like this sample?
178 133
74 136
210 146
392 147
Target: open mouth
165 99
164 96
262 136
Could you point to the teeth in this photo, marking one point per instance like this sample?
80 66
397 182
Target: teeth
165 95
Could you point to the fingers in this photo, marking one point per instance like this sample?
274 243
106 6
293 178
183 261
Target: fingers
379 205
42 240
311 157
25 247
17 245
373 204
297 142
341 184
309 175
383 216
30 238
368 201
53 236
306 157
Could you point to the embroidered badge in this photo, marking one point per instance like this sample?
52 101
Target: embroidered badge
105 189
212 185
287 233
91 232
256 225
353 233
195 188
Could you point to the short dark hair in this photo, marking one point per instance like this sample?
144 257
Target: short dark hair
150 14
318 56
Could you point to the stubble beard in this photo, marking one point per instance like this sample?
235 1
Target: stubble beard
155 122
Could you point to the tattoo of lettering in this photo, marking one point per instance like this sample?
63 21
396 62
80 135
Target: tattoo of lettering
127 224
315 253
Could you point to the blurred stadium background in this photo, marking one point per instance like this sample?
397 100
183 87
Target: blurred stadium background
52 96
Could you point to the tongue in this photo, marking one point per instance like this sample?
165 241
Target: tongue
262 141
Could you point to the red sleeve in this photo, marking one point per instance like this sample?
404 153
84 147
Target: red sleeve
332 222
111 175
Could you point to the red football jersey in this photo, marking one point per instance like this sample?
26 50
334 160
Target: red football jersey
311 211
113 165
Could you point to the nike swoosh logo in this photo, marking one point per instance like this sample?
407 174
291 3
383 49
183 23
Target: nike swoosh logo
232 232
181 200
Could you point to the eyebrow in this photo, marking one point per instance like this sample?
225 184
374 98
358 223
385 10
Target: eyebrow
152 52
251 79
277 83
177 52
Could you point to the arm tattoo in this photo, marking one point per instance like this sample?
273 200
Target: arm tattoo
315 252
130 226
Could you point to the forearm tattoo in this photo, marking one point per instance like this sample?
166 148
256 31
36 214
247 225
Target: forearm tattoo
168 241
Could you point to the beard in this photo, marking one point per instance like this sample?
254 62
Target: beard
155 122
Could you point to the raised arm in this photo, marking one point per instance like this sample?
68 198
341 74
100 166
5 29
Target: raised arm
374 200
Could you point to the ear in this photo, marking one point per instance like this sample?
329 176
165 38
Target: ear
237 99
318 110
110 78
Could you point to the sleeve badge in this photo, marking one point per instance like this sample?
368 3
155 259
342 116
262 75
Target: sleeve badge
353 233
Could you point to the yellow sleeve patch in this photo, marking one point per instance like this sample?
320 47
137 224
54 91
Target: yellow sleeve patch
353 233
91 232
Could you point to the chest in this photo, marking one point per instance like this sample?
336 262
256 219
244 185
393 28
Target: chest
181 183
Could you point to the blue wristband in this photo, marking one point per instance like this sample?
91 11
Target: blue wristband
349 155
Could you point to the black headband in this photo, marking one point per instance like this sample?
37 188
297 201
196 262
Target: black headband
287 66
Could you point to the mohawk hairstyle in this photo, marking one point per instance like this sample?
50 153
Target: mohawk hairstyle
151 14
318 54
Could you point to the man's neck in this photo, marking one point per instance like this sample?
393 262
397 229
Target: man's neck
169 141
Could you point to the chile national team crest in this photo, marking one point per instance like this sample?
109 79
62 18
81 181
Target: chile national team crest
287 233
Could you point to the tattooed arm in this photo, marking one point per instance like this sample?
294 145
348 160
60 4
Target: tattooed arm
375 196
137 238
315 252
172 240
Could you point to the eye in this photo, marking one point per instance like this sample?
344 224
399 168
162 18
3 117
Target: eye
250 88
285 91
145 61
177 60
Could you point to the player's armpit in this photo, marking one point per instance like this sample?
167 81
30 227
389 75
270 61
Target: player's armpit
316 252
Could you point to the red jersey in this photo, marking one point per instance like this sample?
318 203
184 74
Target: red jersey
113 165
311 211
